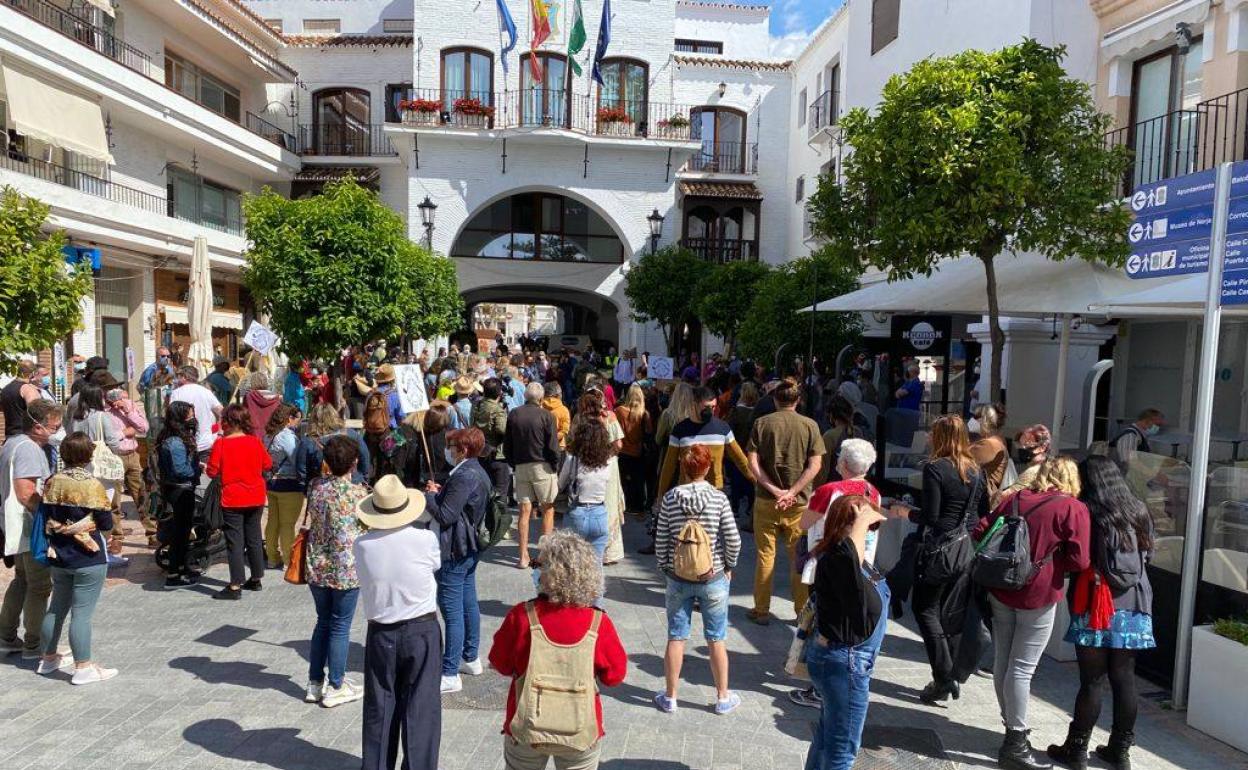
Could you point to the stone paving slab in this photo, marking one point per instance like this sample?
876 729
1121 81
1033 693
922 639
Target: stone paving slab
219 685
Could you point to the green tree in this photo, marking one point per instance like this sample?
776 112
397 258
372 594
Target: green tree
338 269
660 289
724 295
773 320
40 294
983 154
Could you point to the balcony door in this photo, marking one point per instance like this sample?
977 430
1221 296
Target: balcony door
545 102
724 231
722 131
340 122
467 73
1165 92
625 84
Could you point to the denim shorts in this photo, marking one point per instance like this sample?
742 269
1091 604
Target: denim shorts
712 597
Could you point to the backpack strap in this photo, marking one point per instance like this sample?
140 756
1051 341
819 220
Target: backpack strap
597 621
530 609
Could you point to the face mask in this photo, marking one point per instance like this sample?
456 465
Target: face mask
706 414
316 372
164 359
1153 430
80 367
193 425
1024 455
450 457
972 425
45 381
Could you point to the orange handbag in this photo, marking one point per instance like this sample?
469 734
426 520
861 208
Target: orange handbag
297 563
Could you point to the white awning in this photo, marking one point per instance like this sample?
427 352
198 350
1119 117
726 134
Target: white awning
60 118
1027 285
1182 298
221 319
1158 25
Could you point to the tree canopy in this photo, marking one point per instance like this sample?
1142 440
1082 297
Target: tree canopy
338 269
40 294
660 289
977 153
724 296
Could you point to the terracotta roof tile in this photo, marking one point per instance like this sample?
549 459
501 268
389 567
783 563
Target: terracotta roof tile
741 64
338 41
737 190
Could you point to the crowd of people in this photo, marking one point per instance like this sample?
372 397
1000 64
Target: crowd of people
333 481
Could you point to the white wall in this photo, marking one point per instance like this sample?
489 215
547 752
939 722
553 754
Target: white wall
356 16
367 67
742 29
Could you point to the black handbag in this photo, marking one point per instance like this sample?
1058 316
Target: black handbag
948 555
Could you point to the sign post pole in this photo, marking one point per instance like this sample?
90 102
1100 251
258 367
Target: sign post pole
1206 374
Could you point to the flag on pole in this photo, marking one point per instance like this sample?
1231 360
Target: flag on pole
577 37
604 40
541 30
506 26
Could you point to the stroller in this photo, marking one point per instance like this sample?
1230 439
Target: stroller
206 539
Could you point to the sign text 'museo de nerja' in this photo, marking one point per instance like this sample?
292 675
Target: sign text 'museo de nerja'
1174 222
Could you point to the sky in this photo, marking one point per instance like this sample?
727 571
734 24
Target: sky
793 21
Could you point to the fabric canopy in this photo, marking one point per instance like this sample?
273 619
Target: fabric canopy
1158 25
49 114
221 319
1027 285
1184 297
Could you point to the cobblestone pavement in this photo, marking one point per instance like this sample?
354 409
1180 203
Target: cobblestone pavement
212 685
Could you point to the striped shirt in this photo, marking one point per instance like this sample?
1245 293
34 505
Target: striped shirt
712 508
719 441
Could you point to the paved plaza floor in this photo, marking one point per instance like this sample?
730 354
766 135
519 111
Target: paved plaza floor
209 685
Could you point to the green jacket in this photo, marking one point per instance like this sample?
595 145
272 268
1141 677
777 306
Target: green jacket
490 417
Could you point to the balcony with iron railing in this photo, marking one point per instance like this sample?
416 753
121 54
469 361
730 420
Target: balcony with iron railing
1184 141
721 250
537 108
724 158
348 140
823 112
106 43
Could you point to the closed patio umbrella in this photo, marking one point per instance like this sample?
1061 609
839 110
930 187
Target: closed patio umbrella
199 307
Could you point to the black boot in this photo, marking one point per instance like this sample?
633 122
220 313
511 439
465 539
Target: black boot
1016 753
1118 751
1074 752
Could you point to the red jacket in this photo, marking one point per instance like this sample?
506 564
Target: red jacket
240 462
1058 524
563 625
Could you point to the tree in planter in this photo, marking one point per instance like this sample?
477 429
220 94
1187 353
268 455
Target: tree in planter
773 320
983 154
659 288
724 295
338 269
40 294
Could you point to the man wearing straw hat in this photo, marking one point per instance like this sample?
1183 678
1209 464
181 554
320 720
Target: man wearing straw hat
385 385
396 561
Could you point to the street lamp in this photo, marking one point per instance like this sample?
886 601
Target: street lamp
427 210
656 229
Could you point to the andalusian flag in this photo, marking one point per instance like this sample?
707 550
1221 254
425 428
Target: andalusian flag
541 30
577 37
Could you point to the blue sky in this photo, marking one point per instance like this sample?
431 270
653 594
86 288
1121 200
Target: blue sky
792 21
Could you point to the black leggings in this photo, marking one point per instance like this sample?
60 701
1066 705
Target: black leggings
182 501
941 643
1096 665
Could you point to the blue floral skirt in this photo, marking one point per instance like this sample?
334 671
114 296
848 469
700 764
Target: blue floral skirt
1127 631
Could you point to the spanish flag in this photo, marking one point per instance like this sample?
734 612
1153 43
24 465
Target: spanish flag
541 30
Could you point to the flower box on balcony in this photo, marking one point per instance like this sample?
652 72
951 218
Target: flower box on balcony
471 113
615 121
675 127
422 112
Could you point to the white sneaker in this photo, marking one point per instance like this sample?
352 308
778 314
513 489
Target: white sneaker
59 663
452 684
472 667
336 696
315 691
92 674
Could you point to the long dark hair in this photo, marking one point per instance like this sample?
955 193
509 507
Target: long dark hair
90 397
589 441
1115 509
180 423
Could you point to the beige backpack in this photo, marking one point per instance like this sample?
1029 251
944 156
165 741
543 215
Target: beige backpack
555 709
692 559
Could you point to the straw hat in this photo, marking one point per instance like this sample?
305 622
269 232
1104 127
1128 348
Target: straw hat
464 385
385 373
392 505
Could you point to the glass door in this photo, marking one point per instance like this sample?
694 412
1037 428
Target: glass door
341 117
1165 97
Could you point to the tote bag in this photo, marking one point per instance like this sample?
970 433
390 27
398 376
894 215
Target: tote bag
14 522
105 465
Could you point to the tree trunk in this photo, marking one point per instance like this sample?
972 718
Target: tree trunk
994 329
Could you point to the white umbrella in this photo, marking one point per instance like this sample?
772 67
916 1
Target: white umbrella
199 307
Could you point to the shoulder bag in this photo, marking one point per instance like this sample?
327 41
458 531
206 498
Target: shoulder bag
297 561
105 464
945 556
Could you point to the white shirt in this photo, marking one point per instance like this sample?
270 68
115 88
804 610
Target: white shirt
396 568
204 403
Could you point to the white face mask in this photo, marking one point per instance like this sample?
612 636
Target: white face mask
450 457
972 425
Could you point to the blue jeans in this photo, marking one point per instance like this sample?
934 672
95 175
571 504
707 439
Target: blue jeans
331 638
457 599
74 594
590 522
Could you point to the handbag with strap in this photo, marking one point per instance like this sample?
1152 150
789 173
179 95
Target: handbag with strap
14 521
297 563
945 557
105 464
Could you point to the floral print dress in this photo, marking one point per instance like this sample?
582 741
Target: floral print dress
332 530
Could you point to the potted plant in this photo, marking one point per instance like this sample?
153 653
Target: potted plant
422 112
469 111
1219 683
675 127
615 121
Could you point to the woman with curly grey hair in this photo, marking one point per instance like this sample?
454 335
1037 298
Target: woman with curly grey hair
558 634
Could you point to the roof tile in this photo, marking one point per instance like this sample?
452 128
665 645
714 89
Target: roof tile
706 189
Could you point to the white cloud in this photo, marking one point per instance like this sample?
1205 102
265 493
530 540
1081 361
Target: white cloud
788 46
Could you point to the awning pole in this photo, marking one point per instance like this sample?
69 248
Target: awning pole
1059 394
1206 374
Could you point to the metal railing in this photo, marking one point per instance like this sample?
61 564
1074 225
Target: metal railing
722 250
91 35
263 128
822 112
353 140
1184 141
547 108
12 158
725 158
